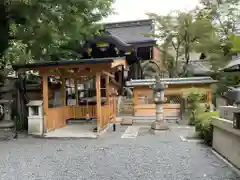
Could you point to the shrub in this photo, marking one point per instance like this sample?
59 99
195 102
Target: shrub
204 126
194 96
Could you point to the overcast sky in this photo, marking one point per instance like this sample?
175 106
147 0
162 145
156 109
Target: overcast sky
137 9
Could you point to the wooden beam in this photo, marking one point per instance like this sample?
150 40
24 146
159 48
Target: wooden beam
87 66
115 83
45 102
108 74
76 75
114 105
98 99
119 62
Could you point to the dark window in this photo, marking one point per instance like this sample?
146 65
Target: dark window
144 53
35 111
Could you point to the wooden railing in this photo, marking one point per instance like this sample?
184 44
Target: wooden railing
82 111
57 116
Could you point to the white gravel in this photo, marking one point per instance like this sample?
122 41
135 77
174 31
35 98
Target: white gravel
162 156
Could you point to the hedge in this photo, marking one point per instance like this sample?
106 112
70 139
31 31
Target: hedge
204 126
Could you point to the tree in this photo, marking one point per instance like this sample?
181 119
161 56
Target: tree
223 44
47 29
235 42
178 34
224 14
225 17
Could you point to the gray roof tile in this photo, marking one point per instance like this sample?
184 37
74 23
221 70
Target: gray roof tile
233 65
199 67
190 80
132 31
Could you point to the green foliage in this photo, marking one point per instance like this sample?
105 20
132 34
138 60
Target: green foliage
224 43
4 28
226 79
208 29
47 29
193 97
235 40
179 33
204 126
225 17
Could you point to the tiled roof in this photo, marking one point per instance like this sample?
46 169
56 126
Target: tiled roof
63 63
233 65
132 31
199 67
190 80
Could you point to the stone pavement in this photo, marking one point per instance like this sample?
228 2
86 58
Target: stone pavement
160 156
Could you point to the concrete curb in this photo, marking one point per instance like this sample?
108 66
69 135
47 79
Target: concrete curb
200 141
69 138
63 138
219 156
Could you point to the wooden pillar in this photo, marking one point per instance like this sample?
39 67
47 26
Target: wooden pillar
114 105
45 101
98 100
76 90
209 97
120 81
63 91
107 90
135 99
135 96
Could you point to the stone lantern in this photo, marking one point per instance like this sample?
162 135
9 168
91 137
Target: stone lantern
159 123
7 125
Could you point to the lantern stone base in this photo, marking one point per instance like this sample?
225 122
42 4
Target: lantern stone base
160 125
7 130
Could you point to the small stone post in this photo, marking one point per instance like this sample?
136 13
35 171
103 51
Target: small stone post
159 123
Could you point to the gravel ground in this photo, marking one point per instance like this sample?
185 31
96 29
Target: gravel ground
162 156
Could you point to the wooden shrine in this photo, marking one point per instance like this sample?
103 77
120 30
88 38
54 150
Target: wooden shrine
79 71
143 104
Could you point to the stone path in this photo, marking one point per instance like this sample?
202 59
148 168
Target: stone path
131 132
149 156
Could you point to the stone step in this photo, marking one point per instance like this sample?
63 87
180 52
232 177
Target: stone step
80 121
127 121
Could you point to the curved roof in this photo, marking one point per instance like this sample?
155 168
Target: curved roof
121 45
132 32
233 65
199 67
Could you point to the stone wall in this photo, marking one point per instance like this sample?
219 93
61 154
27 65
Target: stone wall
227 112
226 140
